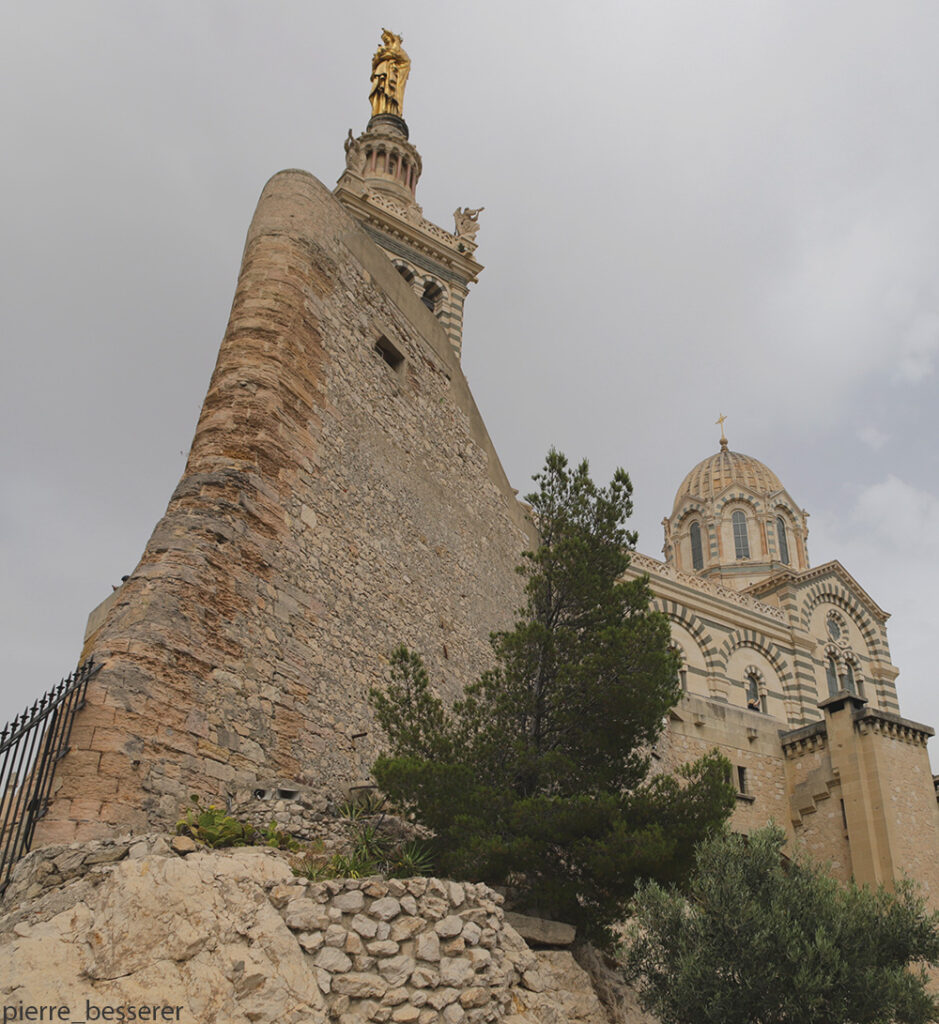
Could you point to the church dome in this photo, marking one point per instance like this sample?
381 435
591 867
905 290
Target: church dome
733 521
715 473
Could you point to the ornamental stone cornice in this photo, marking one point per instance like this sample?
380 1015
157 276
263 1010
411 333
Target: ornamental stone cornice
804 740
885 723
406 221
663 571
800 579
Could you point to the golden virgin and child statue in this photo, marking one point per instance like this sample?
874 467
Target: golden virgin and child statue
390 67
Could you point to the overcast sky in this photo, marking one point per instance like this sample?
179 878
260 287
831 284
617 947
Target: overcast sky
690 208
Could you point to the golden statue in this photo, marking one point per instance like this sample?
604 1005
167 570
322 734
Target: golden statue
390 67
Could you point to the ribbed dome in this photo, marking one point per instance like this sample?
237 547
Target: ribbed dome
716 472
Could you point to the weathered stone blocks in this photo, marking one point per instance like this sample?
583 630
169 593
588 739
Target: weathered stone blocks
233 929
314 529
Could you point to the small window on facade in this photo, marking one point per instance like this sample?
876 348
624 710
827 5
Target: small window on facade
741 540
741 779
849 682
753 693
431 296
697 556
781 537
831 673
389 353
756 699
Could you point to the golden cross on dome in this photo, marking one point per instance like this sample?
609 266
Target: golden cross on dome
720 421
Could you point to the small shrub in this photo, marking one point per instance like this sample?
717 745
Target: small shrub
276 838
411 859
370 853
213 826
353 865
217 829
313 864
363 805
369 844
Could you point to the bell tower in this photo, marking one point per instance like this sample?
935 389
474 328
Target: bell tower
379 186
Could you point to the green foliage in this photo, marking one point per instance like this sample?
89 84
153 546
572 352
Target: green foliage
275 837
215 828
411 859
369 853
757 939
541 776
362 805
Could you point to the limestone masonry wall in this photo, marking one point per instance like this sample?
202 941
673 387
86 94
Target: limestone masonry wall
332 506
898 766
748 739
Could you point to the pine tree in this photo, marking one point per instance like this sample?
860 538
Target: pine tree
541 775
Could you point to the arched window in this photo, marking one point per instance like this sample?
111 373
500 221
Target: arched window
756 698
741 541
697 556
831 674
850 683
432 295
781 538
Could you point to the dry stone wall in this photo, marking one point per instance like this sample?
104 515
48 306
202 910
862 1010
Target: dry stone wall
233 936
333 506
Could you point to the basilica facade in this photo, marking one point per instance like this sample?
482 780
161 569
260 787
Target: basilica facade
785 667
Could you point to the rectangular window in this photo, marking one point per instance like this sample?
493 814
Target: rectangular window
741 779
697 555
389 353
741 540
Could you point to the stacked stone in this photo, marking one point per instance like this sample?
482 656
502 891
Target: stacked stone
307 819
113 921
413 951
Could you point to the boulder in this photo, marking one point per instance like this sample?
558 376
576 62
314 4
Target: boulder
538 931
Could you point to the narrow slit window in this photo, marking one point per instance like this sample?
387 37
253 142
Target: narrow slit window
756 699
831 674
741 540
741 779
781 538
697 555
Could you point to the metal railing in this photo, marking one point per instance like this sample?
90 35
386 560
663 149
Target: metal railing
30 748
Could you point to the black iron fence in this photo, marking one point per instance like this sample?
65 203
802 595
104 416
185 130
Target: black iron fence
30 748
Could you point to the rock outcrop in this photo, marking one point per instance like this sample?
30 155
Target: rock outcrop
131 930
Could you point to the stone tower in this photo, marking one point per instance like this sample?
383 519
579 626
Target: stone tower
341 497
379 187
